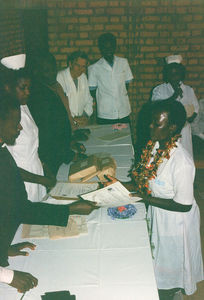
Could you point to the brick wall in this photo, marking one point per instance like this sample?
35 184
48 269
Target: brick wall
11 32
146 32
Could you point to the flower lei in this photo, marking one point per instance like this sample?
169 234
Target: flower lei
145 171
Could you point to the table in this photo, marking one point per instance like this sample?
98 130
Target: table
112 262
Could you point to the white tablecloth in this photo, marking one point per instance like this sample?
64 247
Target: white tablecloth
112 262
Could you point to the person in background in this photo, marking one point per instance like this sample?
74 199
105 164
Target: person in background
50 115
15 208
174 89
164 179
75 85
25 149
109 79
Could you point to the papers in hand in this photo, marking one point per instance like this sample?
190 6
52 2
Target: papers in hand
70 191
113 195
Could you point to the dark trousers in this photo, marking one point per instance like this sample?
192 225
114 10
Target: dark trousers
113 121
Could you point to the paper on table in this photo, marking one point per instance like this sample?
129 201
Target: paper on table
76 225
65 190
114 135
35 231
113 195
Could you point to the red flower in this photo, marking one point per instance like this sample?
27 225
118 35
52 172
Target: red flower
121 208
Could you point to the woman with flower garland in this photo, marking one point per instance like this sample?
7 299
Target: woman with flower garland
164 178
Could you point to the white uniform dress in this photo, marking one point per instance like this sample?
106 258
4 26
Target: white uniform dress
25 153
175 236
190 102
80 99
111 94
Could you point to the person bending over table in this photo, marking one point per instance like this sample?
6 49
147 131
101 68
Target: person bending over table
164 179
25 150
15 208
109 79
50 115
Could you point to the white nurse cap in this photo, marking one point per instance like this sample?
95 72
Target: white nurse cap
14 62
173 59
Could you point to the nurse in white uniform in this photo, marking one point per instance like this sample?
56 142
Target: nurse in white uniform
25 150
165 178
175 89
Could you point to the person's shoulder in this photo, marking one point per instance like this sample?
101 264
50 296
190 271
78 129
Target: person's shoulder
97 63
187 87
182 157
161 85
83 76
62 72
119 58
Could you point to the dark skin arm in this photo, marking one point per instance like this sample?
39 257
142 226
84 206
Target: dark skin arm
23 281
93 93
191 118
34 178
168 204
93 116
127 86
15 250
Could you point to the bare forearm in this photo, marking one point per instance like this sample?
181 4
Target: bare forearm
30 177
47 181
168 204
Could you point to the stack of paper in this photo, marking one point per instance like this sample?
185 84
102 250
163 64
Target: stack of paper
71 191
76 226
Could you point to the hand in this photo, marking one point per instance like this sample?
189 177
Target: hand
80 135
82 207
110 180
15 250
80 148
79 156
23 281
191 118
81 121
49 181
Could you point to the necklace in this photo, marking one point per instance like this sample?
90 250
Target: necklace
145 171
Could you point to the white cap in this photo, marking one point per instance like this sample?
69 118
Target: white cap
14 62
173 59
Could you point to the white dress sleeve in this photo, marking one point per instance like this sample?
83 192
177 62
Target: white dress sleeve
156 93
92 79
194 101
88 108
6 275
183 174
128 72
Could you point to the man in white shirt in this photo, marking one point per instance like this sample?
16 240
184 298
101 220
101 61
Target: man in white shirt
75 85
108 79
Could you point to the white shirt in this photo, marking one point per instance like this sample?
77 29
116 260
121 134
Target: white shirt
111 95
165 90
25 154
6 275
175 236
79 98
190 102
